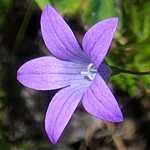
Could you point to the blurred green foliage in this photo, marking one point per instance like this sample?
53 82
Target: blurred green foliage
130 49
42 3
94 11
5 7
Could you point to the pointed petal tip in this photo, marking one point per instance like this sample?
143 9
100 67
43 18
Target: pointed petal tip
114 18
47 7
52 138
113 119
119 119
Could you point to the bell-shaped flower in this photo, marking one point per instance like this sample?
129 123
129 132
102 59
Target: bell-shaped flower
80 72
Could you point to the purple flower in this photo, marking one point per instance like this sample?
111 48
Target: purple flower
81 72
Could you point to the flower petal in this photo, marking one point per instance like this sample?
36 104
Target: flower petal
48 73
104 70
61 109
100 102
59 38
98 38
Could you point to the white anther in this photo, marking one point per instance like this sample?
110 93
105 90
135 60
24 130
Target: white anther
91 71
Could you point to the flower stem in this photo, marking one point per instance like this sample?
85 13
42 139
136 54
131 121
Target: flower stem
134 73
115 71
116 138
24 26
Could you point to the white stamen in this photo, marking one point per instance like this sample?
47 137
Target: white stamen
91 71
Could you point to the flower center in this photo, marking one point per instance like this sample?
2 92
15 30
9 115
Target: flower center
91 71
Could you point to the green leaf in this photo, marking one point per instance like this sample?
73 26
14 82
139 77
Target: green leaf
67 6
135 59
62 6
135 19
145 10
42 3
94 11
126 82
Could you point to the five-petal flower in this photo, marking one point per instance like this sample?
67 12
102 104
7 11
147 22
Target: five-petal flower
81 72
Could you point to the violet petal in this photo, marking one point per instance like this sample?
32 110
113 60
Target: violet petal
59 38
48 73
104 70
100 102
61 109
98 38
